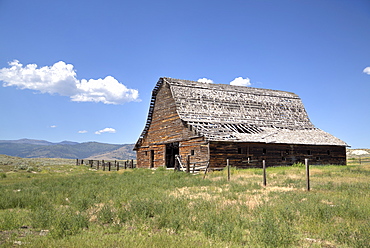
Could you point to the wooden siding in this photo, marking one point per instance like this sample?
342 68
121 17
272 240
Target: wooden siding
246 155
166 127
199 148
184 119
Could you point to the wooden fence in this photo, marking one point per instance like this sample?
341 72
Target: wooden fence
191 167
107 165
197 167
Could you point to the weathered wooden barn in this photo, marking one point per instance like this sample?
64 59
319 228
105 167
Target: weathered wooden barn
215 122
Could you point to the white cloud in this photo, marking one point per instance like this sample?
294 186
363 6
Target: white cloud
205 80
367 70
239 81
60 78
106 130
82 131
53 126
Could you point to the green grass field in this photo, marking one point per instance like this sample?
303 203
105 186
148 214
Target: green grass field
54 203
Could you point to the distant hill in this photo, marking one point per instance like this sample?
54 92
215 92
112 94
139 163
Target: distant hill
125 152
38 142
28 148
351 153
28 141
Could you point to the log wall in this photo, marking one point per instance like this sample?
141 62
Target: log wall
197 148
166 127
247 155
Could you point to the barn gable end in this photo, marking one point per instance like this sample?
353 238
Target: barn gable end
165 132
214 121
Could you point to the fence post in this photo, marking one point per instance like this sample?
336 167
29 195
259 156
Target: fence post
264 172
97 167
205 172
82 161
132 163
188 164
77 161
307 174
176 164
103 164
109 164
228 169
117 166
125 165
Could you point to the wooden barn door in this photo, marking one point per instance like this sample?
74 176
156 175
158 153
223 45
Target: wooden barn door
172 150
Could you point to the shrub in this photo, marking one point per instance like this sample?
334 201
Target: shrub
21 167
299 164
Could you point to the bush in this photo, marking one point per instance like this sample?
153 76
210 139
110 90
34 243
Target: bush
299 164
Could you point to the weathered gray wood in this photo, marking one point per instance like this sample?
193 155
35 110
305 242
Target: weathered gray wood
228 169
188 164
205 171
308 187
217 120
264 172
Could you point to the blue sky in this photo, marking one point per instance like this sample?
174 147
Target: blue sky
84 70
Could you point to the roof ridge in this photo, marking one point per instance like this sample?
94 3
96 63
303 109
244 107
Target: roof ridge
227 87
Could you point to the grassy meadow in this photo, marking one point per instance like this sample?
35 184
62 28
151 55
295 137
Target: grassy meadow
54 203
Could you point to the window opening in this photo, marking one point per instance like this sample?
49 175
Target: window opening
151 158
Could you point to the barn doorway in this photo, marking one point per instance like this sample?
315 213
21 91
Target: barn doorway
172 149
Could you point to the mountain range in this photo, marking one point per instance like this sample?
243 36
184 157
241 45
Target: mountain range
31 148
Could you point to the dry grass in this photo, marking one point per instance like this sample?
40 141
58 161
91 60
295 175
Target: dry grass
79 207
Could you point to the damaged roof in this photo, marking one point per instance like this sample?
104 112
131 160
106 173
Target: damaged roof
222 112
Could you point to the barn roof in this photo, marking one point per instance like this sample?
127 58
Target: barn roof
222 112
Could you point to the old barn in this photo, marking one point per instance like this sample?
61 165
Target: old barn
214 122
